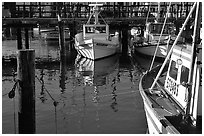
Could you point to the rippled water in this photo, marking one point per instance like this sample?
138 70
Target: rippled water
93 97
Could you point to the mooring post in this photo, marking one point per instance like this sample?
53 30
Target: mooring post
19 38
61 36
26 39
124 39
26 76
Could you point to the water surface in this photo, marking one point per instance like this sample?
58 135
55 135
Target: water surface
100 97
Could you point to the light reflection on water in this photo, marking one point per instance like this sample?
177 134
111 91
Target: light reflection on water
93 96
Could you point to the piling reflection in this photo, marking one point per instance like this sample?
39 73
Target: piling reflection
62 73
42 92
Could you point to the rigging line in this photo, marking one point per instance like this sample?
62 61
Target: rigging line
88 22
160 36
46 89
103 19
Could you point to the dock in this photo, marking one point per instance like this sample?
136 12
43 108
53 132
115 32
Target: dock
71 12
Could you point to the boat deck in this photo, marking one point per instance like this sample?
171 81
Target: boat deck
169 114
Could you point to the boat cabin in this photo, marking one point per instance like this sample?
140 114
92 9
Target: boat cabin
156 28
176 82
95 30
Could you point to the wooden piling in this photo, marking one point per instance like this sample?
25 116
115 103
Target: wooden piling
19 38
26 76
124 39
26 39
61 37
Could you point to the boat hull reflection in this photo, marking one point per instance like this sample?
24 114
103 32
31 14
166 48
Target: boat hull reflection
96 72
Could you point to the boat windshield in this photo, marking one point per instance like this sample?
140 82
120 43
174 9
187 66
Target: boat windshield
157 28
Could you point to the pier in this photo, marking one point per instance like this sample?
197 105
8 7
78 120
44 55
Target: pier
112 12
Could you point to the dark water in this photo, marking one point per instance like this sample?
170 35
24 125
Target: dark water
99 97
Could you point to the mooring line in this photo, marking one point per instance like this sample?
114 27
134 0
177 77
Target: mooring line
11 94
55 102
5 94
14 114
101 96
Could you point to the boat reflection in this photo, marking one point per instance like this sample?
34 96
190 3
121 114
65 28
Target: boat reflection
95 72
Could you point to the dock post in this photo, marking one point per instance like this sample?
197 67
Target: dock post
26 76
61 36
62 54
19 38
124 39
26 39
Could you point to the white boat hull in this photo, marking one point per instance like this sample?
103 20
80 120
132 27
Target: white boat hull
96 48
150 50
96 52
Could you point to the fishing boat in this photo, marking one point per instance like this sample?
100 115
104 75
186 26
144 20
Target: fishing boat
53 34
172 92
96 72
146 39
145 43
95 41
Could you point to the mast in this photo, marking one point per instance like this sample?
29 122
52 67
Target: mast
158 12
148 12
95 11
195 43
95 8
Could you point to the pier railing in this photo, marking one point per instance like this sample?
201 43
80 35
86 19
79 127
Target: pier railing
83 11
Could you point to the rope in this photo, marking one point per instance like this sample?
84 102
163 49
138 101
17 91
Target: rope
103 19
14 115
54 101
11 94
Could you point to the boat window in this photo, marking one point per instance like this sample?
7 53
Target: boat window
173 70
95 29
157 28
184 74
89 30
